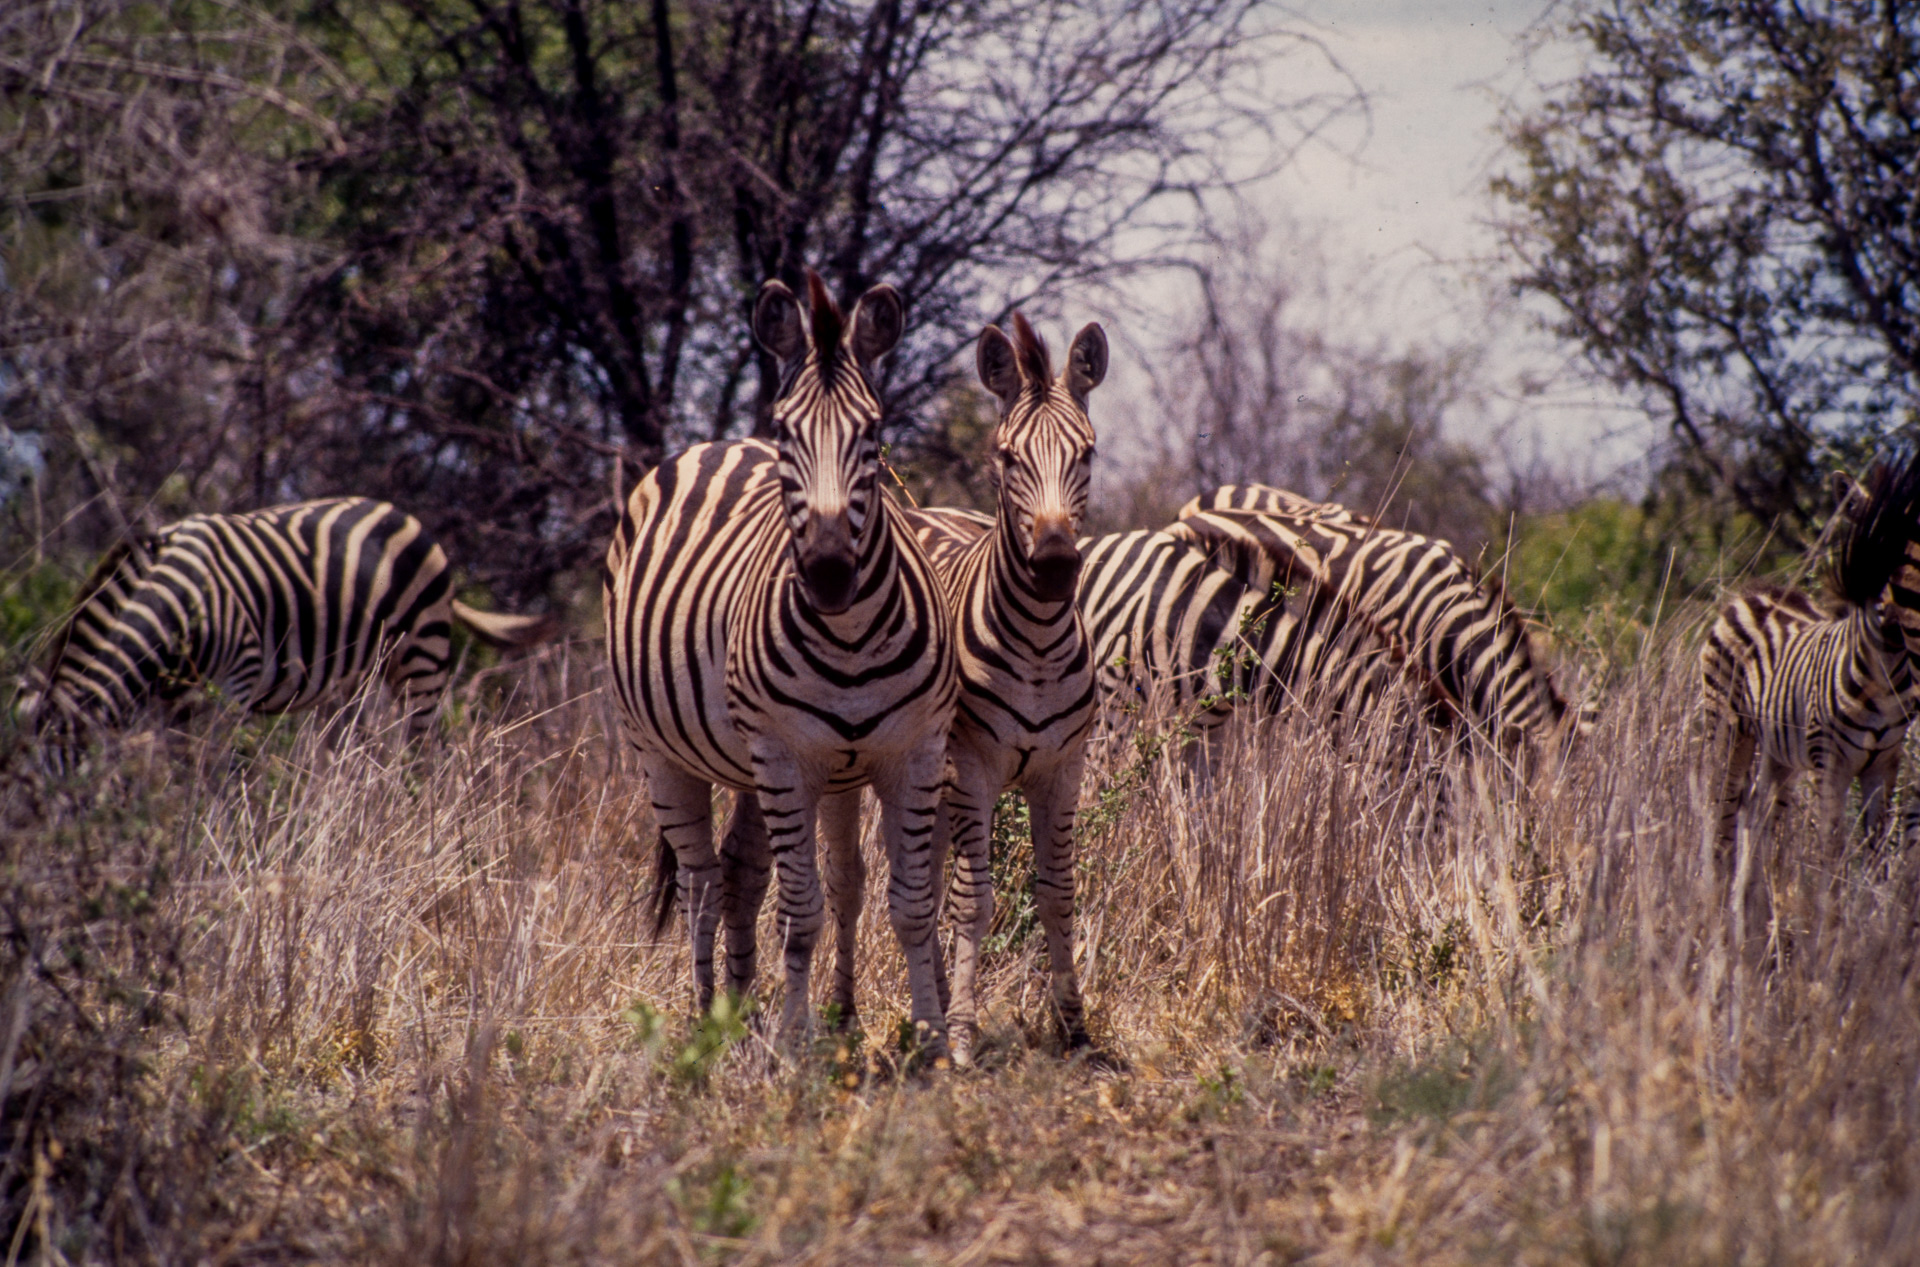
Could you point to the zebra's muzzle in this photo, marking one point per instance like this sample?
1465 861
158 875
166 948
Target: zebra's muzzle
829 567
1056 565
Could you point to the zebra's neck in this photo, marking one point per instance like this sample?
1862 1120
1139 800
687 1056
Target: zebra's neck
122 644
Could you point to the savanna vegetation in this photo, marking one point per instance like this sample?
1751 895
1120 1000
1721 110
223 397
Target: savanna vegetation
288 990
290 998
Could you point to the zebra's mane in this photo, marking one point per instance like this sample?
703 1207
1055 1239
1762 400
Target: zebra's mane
1876 540
1036 363
828 323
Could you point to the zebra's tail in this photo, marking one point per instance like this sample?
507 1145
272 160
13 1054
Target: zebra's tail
503 629
666 883
1876 540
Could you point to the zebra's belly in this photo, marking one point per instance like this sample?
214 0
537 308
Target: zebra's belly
690 726
1829 739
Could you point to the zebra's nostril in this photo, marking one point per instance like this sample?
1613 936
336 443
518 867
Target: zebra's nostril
1055 573
830 582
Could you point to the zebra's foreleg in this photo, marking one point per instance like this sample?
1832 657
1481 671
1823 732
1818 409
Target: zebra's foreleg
1053 799
942 850
683 807
789 798
971 792
909 793
746 864
846 876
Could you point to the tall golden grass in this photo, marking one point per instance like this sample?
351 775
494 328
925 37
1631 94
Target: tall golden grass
284 993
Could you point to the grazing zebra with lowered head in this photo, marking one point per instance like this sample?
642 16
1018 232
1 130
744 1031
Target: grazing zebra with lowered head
1026 669
1167 619
1804 689
1455 636
774 628
276 609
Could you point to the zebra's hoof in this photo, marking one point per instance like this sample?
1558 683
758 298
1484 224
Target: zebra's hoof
925 1045
964 1037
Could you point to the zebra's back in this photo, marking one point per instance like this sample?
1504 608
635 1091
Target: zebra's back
1266 498
945 533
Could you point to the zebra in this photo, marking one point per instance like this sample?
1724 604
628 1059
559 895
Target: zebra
1166 617
277 610
1827 691
774 628
1456 636
1026 672
1266 498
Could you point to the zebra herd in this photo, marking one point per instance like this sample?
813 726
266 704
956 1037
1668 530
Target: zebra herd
780 626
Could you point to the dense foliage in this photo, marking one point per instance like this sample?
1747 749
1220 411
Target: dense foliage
1721 211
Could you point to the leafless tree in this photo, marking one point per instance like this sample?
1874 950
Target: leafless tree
482 257
1278 377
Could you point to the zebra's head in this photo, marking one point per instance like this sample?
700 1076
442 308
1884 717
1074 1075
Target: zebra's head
827 425
1043 447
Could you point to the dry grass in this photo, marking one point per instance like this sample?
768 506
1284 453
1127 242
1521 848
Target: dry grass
314 1002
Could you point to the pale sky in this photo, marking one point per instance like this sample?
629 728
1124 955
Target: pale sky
1404 207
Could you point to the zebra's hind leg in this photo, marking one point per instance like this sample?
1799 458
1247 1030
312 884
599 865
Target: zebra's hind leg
1909 813
909 793
683 807
846 876
942 850
1053 797
1760 858
968 807
417 667
1735 781
746 864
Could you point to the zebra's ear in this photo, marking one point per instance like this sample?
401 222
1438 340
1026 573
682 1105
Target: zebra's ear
778 322
878 321
1086 361
999 368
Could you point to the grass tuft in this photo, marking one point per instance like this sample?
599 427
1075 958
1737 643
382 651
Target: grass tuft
308 997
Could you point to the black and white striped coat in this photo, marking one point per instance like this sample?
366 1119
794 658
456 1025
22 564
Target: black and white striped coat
1831 692
1452 635
775 629
276 610
1305 603
1026 669
1166 622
